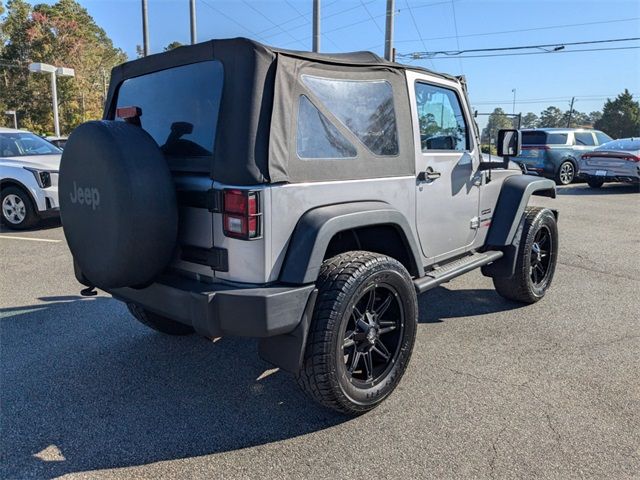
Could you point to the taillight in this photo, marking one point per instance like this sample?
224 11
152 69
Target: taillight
631 158
241 216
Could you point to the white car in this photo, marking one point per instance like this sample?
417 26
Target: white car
28 178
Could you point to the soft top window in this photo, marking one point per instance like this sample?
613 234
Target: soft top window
179 106
365 107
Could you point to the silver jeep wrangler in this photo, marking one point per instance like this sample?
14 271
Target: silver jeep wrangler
304 199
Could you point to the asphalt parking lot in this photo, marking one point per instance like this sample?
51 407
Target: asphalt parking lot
494 389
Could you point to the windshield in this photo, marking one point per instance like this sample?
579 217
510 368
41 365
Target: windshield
623 144
22 144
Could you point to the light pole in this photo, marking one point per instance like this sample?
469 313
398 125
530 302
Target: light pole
55 72
513 90
15 118
192 16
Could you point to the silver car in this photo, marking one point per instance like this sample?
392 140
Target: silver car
615 161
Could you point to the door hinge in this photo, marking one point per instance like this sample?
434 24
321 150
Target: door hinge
475 223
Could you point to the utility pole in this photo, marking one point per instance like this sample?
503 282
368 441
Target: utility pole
192 11
316 26
573 99
145 29
388 36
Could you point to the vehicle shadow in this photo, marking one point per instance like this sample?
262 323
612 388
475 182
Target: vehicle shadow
441 303
85 387
606 189
45 224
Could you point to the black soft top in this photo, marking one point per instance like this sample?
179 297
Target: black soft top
255 137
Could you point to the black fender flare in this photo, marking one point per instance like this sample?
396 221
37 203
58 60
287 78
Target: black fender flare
316 228
506 223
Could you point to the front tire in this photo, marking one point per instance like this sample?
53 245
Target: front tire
362 332
536 260
158 322
566 173
17 208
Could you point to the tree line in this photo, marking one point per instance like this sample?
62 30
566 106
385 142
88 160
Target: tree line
619 118
63 35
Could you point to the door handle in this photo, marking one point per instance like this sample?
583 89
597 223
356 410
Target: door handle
428 175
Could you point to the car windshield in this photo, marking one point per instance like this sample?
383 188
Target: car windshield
22 144
622 144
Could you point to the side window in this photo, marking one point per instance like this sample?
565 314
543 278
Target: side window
440 117
317 137
602 138
584 138
364 106
557 138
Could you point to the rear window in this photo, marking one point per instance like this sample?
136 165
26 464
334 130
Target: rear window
544 138
179 106
629 144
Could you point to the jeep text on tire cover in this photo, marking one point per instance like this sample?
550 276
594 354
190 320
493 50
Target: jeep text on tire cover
304 199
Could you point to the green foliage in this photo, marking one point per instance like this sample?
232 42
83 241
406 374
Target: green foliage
552 117
530 120
497 121
172 45
620 117
62 34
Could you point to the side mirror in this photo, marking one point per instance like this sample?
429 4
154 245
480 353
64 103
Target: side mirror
509 143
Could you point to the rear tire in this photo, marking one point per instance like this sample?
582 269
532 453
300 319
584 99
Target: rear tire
17 208
594 183
536 260
566 173
362 332
158 322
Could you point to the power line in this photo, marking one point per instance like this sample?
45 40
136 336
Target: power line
559 45
220 12
550 27
371 16
455 26
415 24
548 99
540 53
271 21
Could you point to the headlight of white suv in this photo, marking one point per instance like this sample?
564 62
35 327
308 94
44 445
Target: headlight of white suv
42 177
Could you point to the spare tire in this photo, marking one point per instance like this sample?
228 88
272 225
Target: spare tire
118 204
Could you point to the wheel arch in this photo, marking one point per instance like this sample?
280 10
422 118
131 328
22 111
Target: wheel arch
330 229
10 182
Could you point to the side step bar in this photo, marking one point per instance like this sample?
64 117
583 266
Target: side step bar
453 269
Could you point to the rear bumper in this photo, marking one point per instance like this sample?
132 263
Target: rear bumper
623 178
218 309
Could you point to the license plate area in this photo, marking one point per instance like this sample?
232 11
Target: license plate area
601 173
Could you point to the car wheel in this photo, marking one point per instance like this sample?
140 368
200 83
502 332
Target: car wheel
158 322
595 183
17 208
362 332
566 173
536 260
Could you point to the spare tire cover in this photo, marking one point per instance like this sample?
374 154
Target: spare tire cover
118 204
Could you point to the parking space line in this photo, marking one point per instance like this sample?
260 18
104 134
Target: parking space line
11 237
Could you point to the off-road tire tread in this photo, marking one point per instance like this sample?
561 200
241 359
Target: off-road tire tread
158 322
516 288
336 277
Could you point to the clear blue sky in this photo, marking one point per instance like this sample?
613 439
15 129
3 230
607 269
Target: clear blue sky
356 25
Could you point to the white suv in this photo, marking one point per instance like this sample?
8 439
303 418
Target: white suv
28 178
